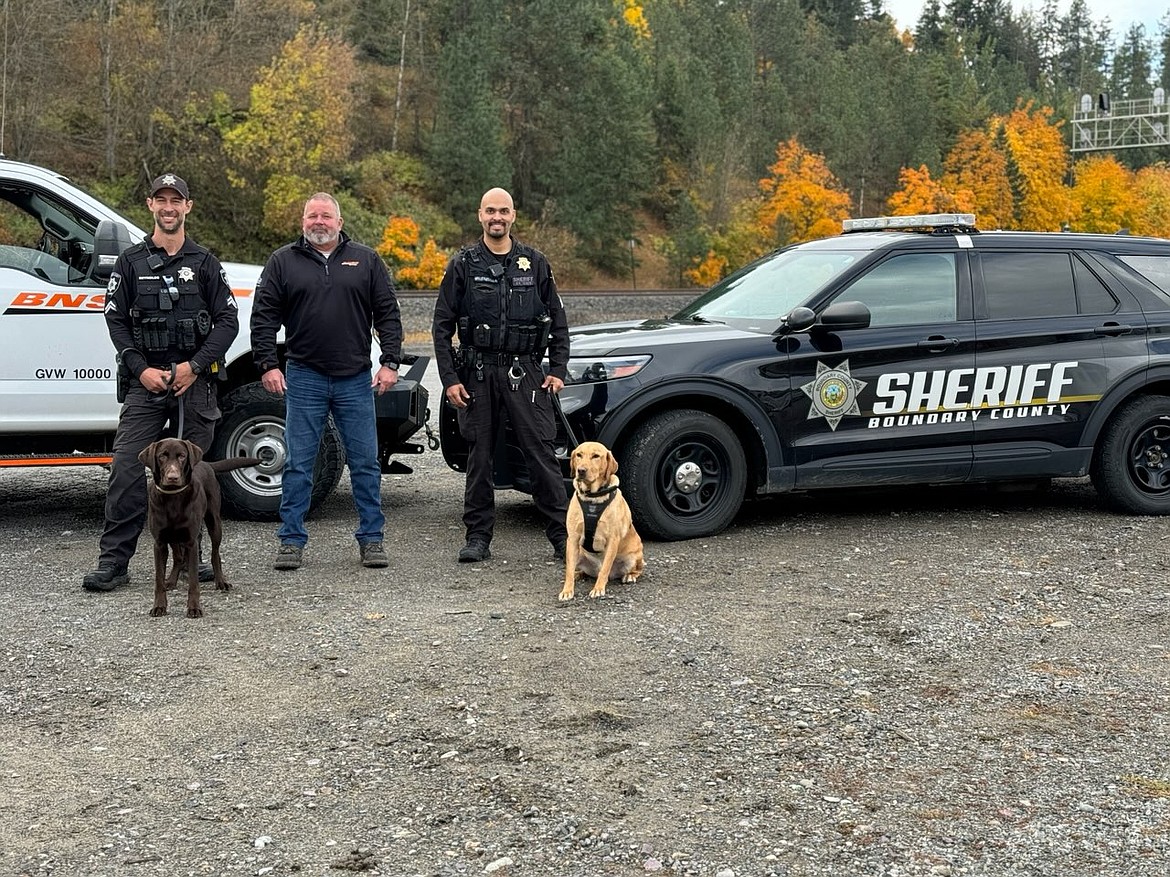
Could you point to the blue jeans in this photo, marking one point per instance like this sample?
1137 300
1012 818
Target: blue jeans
310 398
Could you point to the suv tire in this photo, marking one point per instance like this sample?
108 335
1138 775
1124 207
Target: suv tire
253 426
688 475
1131 467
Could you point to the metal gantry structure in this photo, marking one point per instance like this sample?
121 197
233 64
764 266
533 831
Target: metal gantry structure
1100 125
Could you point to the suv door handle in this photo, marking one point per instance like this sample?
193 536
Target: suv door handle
1113 329
939 343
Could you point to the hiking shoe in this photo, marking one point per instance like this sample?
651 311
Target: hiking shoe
474 552
374 555
559 549
288 556
106 577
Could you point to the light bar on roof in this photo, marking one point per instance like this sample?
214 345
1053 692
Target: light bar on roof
921 220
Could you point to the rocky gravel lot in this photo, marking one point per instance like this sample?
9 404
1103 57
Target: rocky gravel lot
925 682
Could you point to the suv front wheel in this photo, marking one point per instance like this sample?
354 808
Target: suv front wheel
683 474
1131 467
253 426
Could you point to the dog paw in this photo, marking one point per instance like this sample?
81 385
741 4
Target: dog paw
158 611
194 613
597 593
223 586
566 595
629 579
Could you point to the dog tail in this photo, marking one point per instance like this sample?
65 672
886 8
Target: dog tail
234 463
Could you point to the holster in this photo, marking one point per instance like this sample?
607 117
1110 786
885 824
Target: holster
124 378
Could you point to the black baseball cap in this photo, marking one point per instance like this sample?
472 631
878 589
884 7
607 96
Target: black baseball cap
170 181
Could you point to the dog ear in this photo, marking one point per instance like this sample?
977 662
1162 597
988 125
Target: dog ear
611 465
194 453
146 457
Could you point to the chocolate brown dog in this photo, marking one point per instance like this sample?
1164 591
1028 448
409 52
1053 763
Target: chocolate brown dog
184 495
602 539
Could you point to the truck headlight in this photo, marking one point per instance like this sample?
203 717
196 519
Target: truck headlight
584 370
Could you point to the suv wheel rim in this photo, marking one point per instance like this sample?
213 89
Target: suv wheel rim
262 438
1150 458
690 477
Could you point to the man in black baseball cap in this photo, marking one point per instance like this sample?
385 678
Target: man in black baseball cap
170 181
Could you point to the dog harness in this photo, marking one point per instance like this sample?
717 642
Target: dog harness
593 510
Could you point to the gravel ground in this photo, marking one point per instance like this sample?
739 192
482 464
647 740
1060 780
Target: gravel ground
926 682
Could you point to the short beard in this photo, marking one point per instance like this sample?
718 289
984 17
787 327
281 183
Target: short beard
320 238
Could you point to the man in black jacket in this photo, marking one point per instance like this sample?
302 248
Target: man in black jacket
172 317
328 292
498 297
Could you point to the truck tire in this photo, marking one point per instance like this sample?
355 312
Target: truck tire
1131 466
684 475
253 426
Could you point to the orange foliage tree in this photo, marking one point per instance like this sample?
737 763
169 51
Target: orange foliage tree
1106 196
1152 185
802 200
1037 165
412 269
974 165
921 194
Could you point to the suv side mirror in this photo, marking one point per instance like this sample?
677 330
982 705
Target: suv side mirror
109 240
798 320
844 315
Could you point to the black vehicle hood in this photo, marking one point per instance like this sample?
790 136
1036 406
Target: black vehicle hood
638 335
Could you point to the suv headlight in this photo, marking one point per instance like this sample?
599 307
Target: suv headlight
604 368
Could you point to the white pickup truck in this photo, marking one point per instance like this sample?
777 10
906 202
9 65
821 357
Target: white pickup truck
57 370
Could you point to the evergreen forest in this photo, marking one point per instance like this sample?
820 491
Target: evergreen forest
693 135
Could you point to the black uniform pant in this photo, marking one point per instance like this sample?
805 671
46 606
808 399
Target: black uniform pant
533 420
144 419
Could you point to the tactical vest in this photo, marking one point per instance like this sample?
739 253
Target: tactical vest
503 309
169 314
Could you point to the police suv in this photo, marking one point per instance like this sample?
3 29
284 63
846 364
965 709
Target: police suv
907 350
57 367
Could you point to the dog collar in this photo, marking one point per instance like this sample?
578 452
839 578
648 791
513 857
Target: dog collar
595 494
171 490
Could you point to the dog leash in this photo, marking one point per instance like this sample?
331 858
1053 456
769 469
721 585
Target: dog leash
181 402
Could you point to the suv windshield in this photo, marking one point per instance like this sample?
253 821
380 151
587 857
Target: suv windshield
769 288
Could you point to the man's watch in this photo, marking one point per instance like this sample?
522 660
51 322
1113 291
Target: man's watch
389 363
196 368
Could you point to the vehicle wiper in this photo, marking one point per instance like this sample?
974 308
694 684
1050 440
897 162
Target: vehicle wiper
699 318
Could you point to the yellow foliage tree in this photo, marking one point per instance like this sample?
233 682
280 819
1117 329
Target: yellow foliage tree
1152 185
635 16
709 271
399 247
428 272
1038 163
921 194
976 166
802 200
1106 196
298 122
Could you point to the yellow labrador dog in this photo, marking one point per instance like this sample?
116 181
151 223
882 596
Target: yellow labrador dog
602 539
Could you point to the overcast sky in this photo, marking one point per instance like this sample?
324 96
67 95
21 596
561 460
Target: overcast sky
1121 13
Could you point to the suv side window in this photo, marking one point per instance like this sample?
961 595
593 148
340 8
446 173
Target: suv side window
908 289
1022 285
44 237
1155 269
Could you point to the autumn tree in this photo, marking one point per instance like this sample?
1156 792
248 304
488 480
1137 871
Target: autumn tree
414 267
1037 155
1106 197
802 200
976 166
1152 186
296 133
919 193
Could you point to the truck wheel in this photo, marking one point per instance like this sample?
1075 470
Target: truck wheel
683 474
1131 466
253 426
